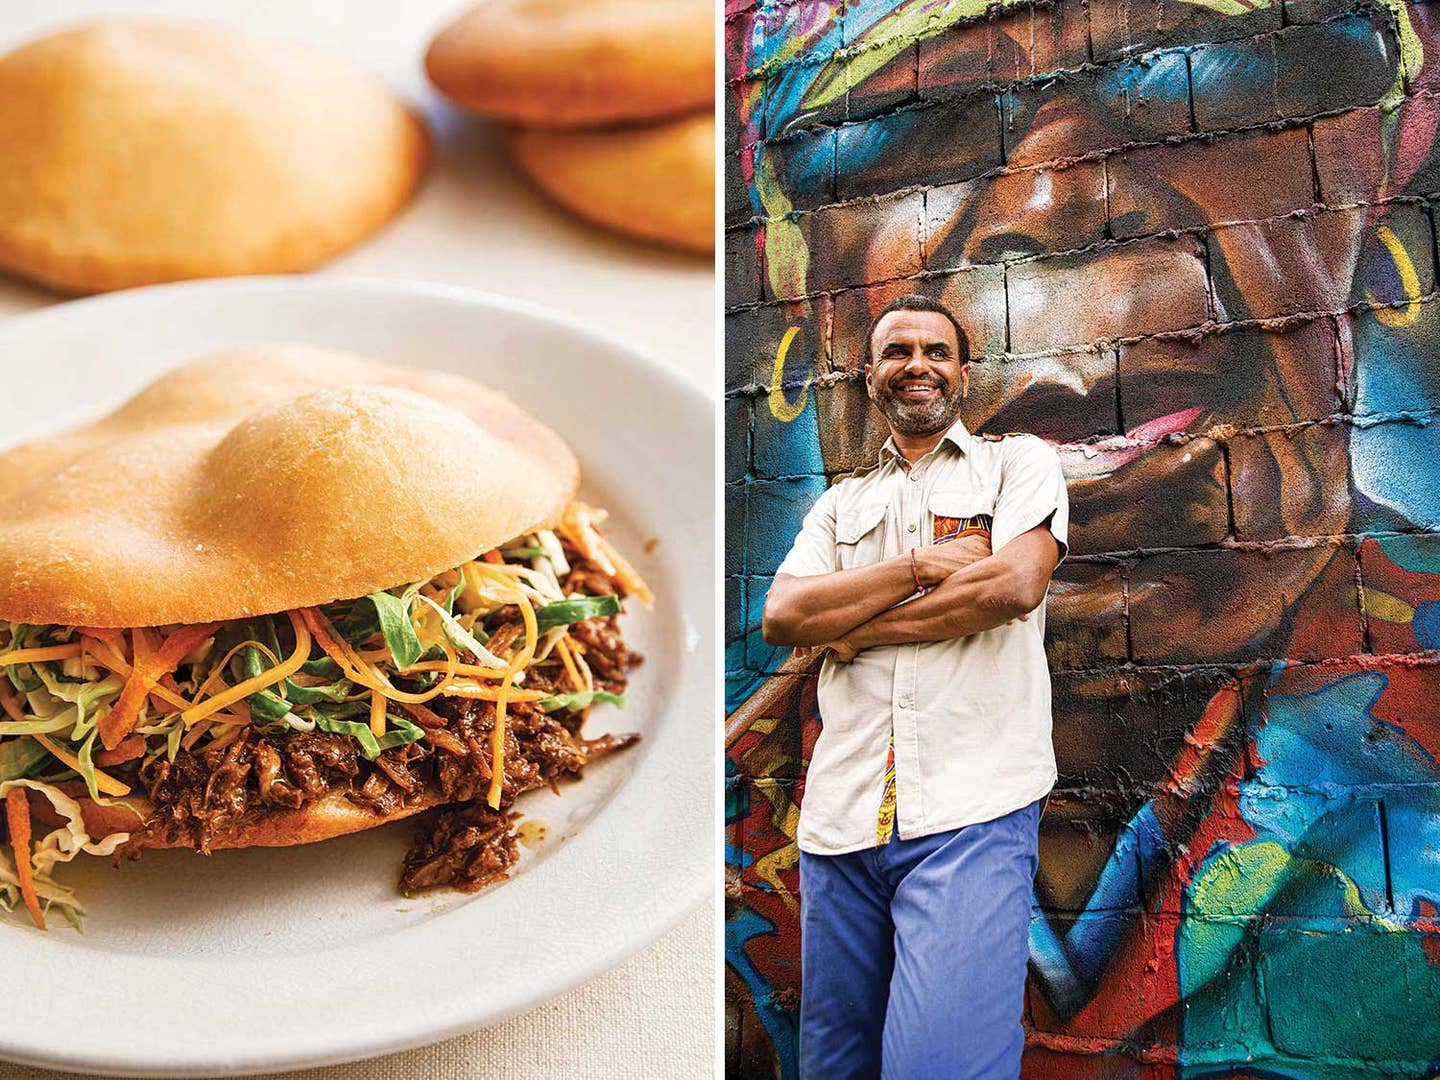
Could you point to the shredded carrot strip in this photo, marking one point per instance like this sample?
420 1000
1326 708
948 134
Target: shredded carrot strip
625 574
217 673
579 524
493 556
357 670
166 689
108 658
481 692
240 691
377 714
497 734
182 643
563 649
334 645
460 669
17 814
191 737
130 748
226 737
36 656
106 783
151 664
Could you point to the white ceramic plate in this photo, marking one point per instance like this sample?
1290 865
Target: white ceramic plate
259 960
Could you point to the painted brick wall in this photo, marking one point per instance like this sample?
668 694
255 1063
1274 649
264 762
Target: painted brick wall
1195 244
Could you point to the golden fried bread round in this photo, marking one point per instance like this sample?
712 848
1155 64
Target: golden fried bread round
267 479
564 64
146 151
654 183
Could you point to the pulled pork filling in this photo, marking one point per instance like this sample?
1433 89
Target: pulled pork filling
205 793
408 698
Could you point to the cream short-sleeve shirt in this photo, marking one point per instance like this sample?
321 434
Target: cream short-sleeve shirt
971 716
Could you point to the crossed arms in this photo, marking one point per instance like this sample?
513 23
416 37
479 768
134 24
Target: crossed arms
970 590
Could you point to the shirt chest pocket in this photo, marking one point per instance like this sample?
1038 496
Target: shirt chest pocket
959 513
860 536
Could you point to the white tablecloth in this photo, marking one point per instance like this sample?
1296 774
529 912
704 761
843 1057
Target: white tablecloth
653 1016
477 223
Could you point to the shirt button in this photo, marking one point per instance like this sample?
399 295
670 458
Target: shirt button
905 702
912 526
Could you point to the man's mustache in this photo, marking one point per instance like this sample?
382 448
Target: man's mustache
902 382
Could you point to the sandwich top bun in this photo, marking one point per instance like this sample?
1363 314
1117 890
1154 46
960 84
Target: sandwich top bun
267 479
142 151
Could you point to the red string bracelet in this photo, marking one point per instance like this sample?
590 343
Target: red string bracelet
915 573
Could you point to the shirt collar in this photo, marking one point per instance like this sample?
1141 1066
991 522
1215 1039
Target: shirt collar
957 435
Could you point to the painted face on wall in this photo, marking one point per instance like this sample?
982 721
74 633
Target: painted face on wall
1087 318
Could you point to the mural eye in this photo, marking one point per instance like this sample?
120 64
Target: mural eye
1131 223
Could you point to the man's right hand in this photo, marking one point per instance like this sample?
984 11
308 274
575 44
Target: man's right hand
936 562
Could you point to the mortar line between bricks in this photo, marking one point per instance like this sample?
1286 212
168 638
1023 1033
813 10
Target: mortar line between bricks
1360 599
1238 670
1191 334
1190 89
1037 80
999 130
1127 624
1101 793
1220 434
1314 163
1264 997
1119 396
1429 209
1005 292
1290 543
1422 201
1201 232
1252 668
1385 848
1058 164
1230 531
1212 297
1342 369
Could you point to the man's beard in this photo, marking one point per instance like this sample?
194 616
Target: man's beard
918 418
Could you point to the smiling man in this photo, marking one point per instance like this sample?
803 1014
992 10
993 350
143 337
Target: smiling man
924 575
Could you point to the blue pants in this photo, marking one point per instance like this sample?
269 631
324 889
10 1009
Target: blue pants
913 954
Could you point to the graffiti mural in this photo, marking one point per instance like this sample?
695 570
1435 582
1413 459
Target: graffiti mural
1195 243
